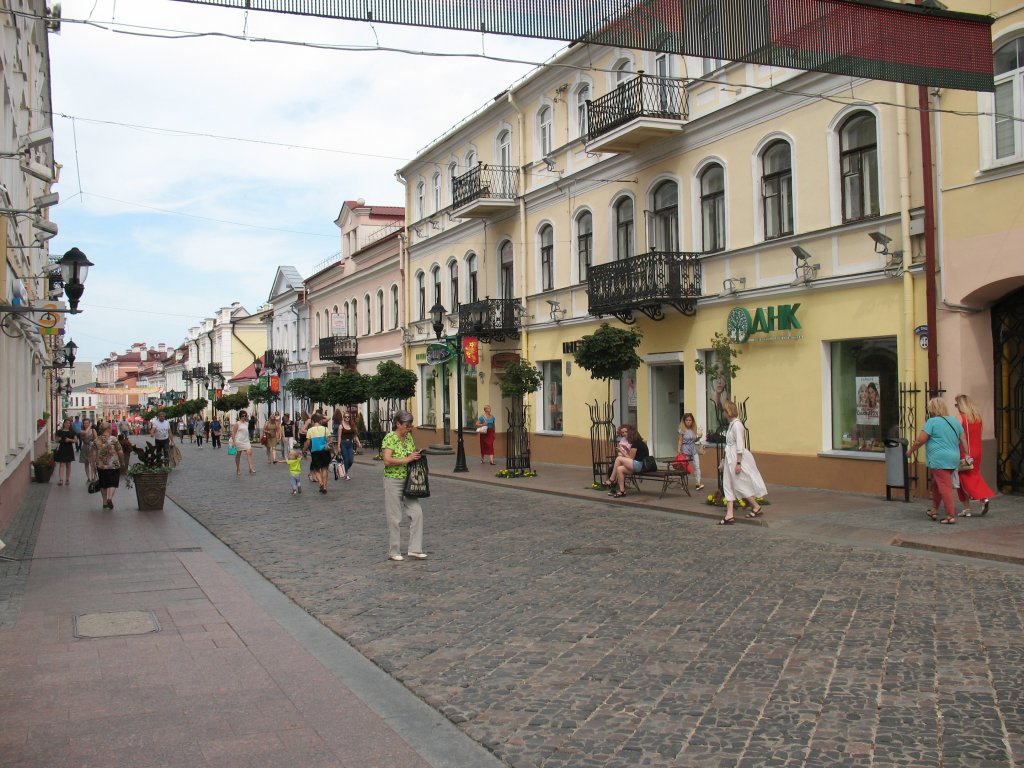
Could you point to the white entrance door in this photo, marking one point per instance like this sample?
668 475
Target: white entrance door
666 408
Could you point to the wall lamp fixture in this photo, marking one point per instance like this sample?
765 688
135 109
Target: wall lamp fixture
804 271
730 283
74 267
557 313
893 266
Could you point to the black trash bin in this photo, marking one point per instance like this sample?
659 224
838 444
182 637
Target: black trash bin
897 474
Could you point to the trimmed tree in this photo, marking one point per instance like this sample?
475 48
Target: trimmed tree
519 379
606 354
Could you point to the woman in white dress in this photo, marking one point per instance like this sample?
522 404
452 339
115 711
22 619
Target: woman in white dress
740 478
241 443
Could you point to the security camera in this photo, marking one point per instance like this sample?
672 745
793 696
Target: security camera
44 225
46 201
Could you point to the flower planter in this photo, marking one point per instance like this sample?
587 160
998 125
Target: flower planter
150 490
42 472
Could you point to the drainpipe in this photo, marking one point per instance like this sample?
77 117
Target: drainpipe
522 215
929 237
903 151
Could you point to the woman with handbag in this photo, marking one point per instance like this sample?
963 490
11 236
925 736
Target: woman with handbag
109 460
741 478
972 484
348 440
241 443
485 426
944 436
399 449
317 446
634 457
689 445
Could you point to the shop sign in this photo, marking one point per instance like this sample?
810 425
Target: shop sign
438 354
741 325
500 360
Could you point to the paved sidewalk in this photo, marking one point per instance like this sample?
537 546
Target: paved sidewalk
224 670
803 512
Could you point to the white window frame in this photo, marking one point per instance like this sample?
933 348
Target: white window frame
545 129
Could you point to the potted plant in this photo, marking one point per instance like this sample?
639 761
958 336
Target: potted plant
519 379
149 476
43 466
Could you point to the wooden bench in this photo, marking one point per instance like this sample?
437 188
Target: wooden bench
667 476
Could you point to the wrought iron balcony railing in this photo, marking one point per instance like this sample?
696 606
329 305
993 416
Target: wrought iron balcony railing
643 96
485 182
645 283
339 349
199 372
213 369
491 319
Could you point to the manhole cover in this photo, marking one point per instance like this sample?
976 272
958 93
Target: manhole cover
116 624
589 551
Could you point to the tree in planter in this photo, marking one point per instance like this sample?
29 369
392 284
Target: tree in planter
519 379
392 385
306 390
235 401
721 369
606 354
345 388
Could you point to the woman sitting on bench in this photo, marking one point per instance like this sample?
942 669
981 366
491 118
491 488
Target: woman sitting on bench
633 455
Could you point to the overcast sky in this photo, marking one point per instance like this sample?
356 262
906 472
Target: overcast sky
179 222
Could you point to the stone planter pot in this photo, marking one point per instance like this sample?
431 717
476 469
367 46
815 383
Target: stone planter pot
42 473
150 490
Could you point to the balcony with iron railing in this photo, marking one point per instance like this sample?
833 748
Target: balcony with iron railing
639 111
645 283
484 191
492 319
339 349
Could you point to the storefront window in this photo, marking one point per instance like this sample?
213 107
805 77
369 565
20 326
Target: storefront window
865 394
552 372
627 398
471 407
428 375
716 393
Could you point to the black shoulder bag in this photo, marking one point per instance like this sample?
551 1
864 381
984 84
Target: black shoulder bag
417 479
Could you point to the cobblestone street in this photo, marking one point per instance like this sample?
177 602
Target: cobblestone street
561 631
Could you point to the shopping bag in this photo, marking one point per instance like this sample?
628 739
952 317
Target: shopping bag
232 450
417 479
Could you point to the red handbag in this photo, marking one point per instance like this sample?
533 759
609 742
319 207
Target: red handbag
681 462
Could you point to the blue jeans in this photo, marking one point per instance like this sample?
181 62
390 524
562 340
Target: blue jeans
348 454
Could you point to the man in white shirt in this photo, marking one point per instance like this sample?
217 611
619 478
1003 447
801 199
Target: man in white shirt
161 431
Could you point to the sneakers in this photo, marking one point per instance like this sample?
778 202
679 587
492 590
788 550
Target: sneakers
418 555
295 493
698 487
396 558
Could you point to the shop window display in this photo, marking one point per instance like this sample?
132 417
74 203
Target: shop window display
552 373
428 377
865 394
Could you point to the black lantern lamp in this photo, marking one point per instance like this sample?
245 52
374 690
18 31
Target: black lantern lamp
437 319
257 365
74 266
437 314
69 353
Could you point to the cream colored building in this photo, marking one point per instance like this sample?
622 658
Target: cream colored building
355 303
27 169
688 197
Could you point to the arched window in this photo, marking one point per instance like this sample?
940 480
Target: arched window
622 72
505 148
777 189
624 229
453 283
472 285
858 161
545 130
582 96
421 296
453 171
380 310
712 208
470 160
1009 99
665 217
507 275
435 192
584 243
394 307
435 279
421 200
547 257
367 315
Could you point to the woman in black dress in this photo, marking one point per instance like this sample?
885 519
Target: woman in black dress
65 453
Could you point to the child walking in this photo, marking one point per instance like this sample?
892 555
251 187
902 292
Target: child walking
295 470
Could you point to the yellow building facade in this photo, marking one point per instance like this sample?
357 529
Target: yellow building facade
785 209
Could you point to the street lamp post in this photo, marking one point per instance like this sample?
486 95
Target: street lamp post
437 314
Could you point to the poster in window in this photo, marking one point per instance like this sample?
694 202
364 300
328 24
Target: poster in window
868 400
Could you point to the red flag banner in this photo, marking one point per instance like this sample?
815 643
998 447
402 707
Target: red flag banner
471 350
